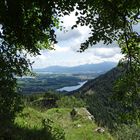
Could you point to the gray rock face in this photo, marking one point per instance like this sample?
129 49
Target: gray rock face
100 130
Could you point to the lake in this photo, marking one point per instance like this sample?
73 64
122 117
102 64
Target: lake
71 88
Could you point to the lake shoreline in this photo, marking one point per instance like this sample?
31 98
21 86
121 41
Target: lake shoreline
71 88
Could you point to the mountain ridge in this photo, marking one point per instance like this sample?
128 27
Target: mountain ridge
99 94
86 68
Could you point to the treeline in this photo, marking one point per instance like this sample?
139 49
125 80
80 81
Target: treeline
52 99
45 82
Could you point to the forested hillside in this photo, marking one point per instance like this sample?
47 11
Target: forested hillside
102 84
98 94
101 98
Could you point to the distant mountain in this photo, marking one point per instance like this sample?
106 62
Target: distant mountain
87 68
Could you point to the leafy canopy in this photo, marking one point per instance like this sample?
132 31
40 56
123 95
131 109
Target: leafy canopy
27 26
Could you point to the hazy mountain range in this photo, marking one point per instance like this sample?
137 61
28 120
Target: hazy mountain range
87 68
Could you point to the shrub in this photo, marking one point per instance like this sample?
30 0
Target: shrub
54 132
128 132
70 102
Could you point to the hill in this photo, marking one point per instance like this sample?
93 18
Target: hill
102 84
51 116
80 128
87 68
98 94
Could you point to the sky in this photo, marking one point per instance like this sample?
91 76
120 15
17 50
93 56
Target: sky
66 50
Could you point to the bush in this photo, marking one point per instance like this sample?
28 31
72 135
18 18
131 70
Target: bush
70 102
128 132
42 100
54 132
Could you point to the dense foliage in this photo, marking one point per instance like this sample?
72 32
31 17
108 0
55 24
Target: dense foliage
28 26
98 94
129 132
110 21
70 102
52 99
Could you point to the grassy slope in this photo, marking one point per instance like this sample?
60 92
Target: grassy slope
32 119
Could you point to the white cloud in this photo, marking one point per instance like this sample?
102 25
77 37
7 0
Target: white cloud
106 52
59 49
71 34
65 53
65 56
69 20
